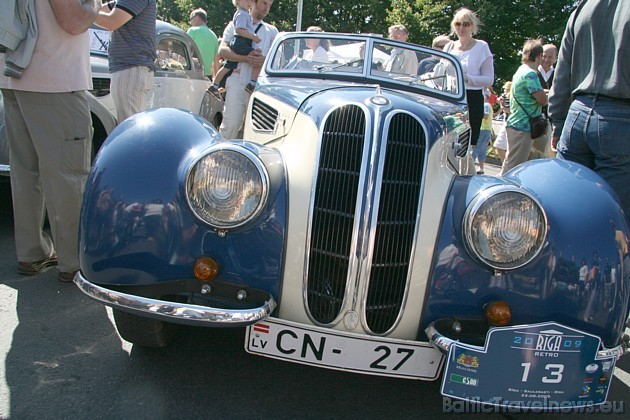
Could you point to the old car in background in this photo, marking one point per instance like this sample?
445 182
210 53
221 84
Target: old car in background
346 231
179 82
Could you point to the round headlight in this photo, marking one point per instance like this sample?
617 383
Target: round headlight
505 227
227 187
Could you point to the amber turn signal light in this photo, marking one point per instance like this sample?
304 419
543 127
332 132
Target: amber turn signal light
498 313
206 268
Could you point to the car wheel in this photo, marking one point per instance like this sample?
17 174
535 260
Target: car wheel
144 332
100 134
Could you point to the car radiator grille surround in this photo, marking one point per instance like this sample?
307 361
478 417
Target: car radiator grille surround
264 117
333 220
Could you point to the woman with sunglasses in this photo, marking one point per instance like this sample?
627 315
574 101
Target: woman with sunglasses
477 63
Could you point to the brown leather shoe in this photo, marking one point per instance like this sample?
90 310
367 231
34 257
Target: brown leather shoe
66 277
32 268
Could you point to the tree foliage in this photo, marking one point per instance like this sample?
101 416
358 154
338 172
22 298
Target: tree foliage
506 24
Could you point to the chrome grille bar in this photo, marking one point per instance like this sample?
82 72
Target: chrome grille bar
395 229
335 201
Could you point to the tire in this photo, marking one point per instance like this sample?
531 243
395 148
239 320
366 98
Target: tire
144 332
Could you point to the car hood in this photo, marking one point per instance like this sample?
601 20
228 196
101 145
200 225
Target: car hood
315 98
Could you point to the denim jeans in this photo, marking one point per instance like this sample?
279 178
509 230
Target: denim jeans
481 148
596 134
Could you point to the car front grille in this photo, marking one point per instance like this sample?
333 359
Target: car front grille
264 117
100 86
337 238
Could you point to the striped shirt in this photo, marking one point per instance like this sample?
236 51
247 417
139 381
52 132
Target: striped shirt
133 44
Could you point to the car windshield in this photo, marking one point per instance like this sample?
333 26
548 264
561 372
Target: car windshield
379 60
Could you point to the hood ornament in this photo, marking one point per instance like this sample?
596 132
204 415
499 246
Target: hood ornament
378 98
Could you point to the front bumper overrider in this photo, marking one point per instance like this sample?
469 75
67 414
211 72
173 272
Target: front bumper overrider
180 313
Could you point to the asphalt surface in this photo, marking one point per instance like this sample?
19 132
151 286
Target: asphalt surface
62 359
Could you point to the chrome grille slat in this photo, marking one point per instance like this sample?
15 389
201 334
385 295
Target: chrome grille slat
464 142
397 215
264 117
334 205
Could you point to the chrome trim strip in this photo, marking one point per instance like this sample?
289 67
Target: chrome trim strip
443 343
372 226
180 313
350 295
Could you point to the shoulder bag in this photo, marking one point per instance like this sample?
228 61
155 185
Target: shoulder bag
537 125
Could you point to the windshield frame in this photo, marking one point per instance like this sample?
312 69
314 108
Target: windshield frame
279 64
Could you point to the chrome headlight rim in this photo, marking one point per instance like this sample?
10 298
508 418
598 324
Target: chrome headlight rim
475 206
262 172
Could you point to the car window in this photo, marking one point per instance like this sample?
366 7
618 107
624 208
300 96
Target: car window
196 61
172 55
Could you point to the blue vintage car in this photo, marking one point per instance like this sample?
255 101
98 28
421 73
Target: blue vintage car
347 231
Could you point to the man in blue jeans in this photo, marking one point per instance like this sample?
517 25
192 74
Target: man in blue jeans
589 103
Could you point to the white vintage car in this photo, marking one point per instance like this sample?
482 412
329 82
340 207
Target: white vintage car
180 82
347 232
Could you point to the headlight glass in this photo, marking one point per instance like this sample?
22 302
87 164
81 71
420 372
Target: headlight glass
505 228
227 187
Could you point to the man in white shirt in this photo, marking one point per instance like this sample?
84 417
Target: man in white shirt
542 145
236 97
401 60
546 68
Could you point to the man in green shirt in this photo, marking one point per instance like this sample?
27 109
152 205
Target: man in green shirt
206 40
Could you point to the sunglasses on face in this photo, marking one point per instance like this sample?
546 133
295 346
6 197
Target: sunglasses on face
464 24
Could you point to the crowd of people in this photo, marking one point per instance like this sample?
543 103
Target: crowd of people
586 96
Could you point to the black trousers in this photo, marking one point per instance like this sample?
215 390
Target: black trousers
475 113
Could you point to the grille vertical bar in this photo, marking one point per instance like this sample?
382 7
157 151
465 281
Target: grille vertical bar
397 214
334 207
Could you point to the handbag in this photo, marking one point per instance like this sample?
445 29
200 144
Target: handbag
537 125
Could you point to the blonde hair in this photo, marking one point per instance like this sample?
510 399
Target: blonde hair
397 28
464 14
324 43
440 39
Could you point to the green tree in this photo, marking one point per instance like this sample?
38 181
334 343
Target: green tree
332 15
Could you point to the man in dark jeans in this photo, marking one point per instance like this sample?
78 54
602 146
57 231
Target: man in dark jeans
590 97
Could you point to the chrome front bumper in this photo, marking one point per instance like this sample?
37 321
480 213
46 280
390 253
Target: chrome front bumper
179 313
443 343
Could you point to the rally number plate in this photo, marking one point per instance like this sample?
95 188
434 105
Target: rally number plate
339 350
545 366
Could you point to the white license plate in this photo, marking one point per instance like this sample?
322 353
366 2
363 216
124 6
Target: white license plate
339 350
